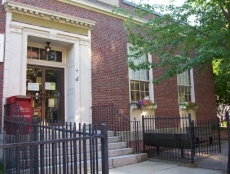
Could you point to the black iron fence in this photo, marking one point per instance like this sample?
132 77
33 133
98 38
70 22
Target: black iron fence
228 127
41 148
129 131
180 138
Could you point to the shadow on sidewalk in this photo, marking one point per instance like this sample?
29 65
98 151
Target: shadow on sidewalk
214 161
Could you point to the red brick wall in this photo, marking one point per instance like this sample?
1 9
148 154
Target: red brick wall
109 68
2 31
205 93
165 94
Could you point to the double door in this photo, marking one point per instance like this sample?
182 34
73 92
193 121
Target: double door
46 86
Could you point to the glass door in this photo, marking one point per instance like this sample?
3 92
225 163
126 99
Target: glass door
46 86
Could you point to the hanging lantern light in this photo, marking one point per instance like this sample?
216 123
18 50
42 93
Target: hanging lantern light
47 48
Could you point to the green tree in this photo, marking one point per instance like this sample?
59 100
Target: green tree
222 81
222 84
180 44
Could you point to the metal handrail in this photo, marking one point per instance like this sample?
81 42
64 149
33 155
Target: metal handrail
119 123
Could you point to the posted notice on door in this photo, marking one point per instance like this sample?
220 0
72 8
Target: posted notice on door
50 86
33 86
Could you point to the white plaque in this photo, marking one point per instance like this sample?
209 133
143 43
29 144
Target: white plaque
33 86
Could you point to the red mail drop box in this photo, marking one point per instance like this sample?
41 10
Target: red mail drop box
24 114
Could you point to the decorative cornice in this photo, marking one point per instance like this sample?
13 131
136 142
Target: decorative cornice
48 15
107 10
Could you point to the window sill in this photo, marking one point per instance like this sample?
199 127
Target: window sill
133 106
182 107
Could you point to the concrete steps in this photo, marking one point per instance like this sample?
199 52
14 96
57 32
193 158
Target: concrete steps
119 153
124 160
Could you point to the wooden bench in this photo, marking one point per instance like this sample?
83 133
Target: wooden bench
169 140
201 134
177 140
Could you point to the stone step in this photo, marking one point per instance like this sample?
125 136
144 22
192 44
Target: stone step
59 134
117 161
111 139
119 154
124 160
59 159
48 149
114 139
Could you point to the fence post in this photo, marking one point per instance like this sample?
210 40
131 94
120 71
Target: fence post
192 139
17 153
42 153
84 149
134 135
219 139
143 131
228 128
104 150
35 122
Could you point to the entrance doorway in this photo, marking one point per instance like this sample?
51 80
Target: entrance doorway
46 86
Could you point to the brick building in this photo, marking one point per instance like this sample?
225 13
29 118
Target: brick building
87 64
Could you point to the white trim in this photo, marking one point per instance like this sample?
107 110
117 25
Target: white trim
186 84
90 55
2 45
100 9
46 32
28 10
192 88
151 86
111 2
23 64
192 84
17 35
48 63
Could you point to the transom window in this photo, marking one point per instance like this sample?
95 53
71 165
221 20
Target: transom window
184 87
139 80
40 54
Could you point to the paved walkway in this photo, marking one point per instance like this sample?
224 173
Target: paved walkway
216 161
151 167
210 164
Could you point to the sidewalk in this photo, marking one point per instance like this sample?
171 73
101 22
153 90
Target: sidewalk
215 161
151 167
210 164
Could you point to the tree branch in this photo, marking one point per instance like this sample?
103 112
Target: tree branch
226 13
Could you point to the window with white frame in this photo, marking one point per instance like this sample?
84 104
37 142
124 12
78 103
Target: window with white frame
184 87
139 80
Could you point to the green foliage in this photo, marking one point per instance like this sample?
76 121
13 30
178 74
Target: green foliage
221 70
224 123
180 44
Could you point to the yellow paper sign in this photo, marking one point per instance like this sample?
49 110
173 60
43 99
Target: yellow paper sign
51 103
50 86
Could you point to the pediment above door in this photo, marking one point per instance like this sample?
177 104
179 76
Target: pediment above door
37 16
